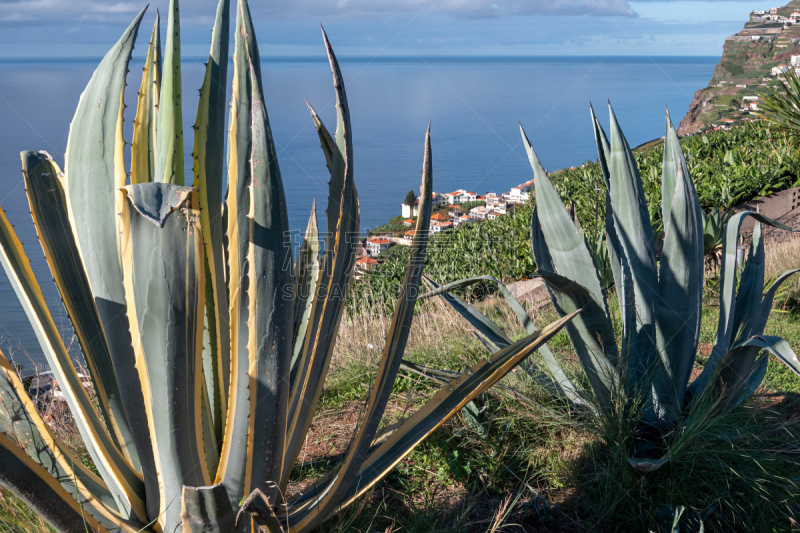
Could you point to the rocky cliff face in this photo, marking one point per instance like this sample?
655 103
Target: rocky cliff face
743 72
691 124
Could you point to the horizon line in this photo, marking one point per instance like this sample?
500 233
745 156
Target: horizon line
389 58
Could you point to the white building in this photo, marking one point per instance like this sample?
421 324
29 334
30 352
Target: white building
460 196
492 200
758 12
478 213
377 245
463 219
491 215
365 263
773 11
439 226
520 193
410 210
753 98
779 70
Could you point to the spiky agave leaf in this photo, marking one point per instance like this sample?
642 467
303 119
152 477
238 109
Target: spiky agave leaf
620 269
49 212
487 329
333 283
164 282
632 226
306 272
728 299
169 132
35 486
743 367
23 426
143 145
252 451
680 282
591 332
231 471
124 482
208 157
94 171
556 382
48 209
270 318
394 347
326 140
565 240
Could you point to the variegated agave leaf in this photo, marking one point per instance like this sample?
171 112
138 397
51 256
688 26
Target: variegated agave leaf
209 144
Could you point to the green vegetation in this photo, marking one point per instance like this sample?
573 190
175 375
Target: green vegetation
499 247
395 226
779 107
466 206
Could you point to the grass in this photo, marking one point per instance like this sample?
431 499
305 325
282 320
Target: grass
16 517
549 471
539 468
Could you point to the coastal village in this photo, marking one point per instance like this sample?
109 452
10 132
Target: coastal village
756 58
753 60
450 210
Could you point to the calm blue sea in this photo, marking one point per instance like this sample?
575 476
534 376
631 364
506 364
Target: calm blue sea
474 105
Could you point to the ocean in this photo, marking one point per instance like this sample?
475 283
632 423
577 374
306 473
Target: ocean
474 106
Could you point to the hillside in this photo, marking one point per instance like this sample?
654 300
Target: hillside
745 69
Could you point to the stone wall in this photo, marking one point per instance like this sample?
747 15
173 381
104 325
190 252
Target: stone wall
783 206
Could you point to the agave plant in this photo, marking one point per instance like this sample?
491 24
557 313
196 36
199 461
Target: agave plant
713 235
599 249
779 106
206 342
646 372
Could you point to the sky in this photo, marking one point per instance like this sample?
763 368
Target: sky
385 28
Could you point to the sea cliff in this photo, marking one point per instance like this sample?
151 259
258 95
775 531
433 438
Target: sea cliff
752 60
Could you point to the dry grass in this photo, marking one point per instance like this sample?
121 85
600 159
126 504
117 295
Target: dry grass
782 255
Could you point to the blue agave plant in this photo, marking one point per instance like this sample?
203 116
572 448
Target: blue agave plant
647 370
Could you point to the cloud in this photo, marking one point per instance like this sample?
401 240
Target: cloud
116 11
456 8
67 10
